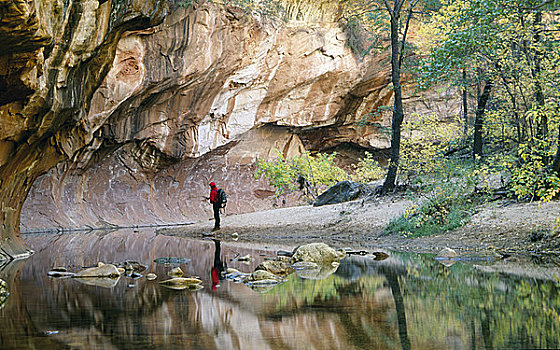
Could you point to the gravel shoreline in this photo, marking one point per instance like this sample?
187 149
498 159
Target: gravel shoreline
497 228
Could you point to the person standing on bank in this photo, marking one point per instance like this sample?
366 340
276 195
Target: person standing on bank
216 205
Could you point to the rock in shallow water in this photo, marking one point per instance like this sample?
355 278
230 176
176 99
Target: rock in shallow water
175 272
179 283
107 270
60 274
280 268
447 253
319 253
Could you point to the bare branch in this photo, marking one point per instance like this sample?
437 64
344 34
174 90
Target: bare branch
413 3
388 6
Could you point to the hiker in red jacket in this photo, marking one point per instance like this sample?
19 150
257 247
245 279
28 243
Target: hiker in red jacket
215 205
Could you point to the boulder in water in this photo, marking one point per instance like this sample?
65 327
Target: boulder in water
280 268
182 283
247 258
106 270
4 293
319 253
259 275
447 257
379 255
175 272
132 265
446 253
60 274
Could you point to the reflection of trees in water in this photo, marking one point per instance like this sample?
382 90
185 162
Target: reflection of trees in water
357 300
462 304
433 306
398 303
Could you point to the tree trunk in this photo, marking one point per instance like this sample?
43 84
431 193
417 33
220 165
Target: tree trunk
556 162
542 123
398 114
401 310
479 118
465 106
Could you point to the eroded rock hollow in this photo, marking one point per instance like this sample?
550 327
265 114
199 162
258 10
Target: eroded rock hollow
119 113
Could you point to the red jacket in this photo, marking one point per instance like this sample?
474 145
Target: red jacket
214 195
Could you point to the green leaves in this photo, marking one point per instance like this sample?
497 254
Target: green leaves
305 172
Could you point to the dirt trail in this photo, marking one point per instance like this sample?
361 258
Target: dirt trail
497 227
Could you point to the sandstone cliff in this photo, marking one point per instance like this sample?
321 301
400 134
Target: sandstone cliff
134 107
54 56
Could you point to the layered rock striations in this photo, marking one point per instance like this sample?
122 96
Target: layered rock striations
54 56
134 108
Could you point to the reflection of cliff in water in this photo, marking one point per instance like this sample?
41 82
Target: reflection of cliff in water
404 302
143 314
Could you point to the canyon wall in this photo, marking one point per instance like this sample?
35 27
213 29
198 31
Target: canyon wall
124 111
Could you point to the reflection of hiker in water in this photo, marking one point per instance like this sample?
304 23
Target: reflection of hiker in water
218 268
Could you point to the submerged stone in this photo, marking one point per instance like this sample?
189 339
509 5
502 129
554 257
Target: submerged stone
135 275
284 253
151 276
264 282
170 260
59 269
233 273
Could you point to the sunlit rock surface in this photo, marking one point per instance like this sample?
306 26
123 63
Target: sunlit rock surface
54 56
133 107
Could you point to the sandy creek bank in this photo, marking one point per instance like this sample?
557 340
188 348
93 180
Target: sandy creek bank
498 227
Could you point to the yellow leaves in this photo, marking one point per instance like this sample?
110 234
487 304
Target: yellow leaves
424 139
368 169
312 170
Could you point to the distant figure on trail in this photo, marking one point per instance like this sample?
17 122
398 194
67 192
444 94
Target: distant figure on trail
216 205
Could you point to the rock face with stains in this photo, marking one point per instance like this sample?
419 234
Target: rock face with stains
55 55
121 112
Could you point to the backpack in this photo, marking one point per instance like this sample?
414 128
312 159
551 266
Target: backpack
222 198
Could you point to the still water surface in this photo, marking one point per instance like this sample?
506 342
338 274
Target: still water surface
408 301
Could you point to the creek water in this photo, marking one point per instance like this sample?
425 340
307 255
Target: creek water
408 301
